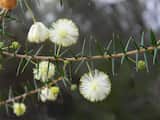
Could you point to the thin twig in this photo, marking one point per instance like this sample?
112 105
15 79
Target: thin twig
83 58
29 93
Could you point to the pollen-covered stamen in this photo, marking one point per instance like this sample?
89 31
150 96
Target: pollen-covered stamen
95 86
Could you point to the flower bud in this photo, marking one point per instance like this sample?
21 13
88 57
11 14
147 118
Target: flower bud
8 4
141 65
44 71
38 33
19 109
54 90
50 94
15 45
73 87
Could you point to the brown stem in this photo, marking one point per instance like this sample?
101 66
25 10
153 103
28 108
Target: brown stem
28 93
86 58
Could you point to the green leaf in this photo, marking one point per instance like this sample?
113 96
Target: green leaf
99 47
153 38
113 60
155 55
135 44
28 60
125 50
142 39
113 66
19 66
108 48
79 66
146 62
137 57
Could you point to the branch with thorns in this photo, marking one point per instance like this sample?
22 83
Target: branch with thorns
83 58
4 12
72 59
53 82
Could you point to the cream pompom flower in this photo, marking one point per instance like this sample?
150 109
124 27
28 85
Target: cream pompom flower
95 86
44 71
19 109
64 33
50 93
38 33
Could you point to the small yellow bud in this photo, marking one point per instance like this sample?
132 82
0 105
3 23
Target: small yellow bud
141 65
15 45
55 90
50 93
19 109
73 87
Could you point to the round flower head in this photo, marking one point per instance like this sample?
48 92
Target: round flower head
50 94
38 33
64 33
44 71
95 86
19 109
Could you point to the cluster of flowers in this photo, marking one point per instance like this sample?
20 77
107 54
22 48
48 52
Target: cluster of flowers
63 32
94 86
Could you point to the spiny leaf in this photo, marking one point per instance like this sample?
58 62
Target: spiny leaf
137 57
146 62
125 50
83 47
155 55
82 54
108 48
135 44
113 60
99 47
127 45
153 38
142 39
64 52
79 66
113 67
19 66
28 60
